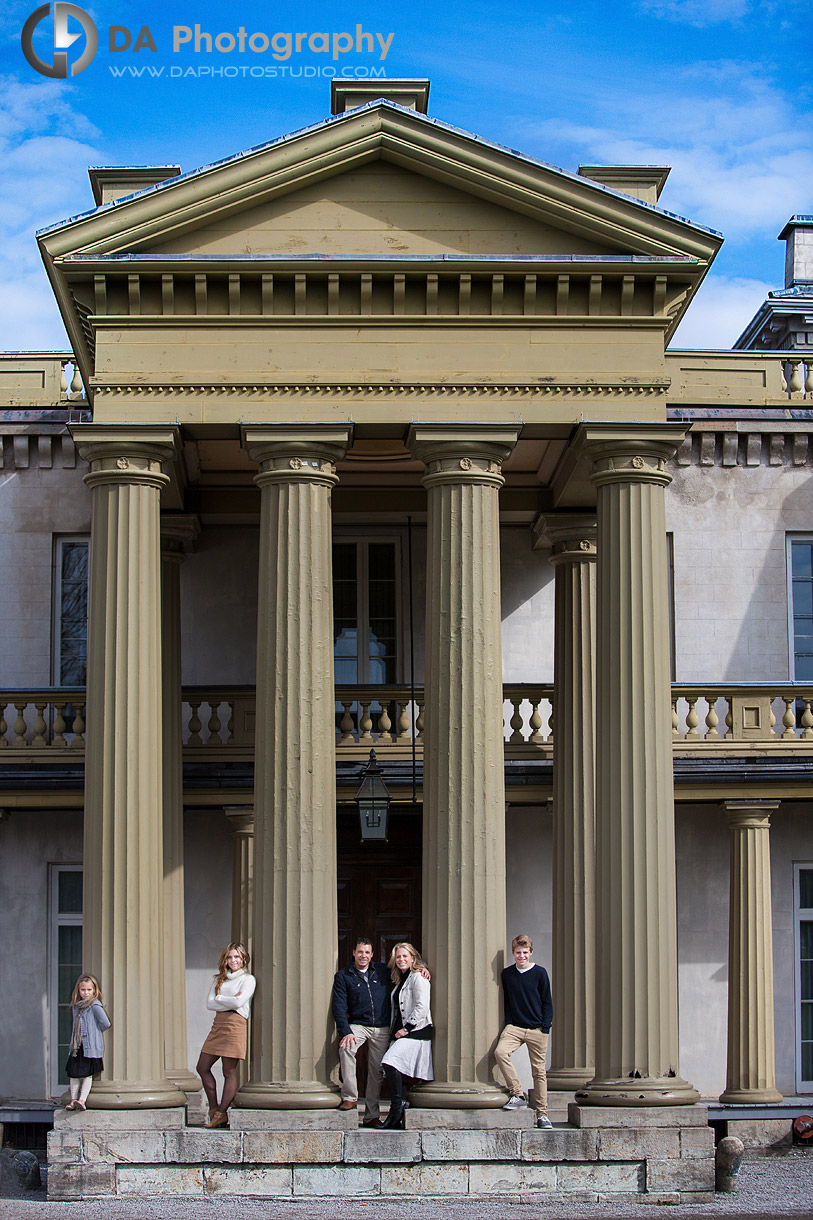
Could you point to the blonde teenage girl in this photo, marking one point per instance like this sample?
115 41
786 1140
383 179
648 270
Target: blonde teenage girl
230 999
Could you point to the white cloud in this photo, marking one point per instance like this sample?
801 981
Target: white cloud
720 312
739 151
44 180
697 12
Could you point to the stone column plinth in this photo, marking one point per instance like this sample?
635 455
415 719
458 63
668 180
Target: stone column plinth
464 780
572 537
123 833
295 916
178 533
636 938
750 1072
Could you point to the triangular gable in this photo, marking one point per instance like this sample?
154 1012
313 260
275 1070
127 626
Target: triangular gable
202 202
379 209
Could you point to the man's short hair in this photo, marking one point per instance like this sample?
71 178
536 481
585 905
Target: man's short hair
363 940
524 940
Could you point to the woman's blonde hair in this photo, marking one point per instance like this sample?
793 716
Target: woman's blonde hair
417 960
222 969
85 978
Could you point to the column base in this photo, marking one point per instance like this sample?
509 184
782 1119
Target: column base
288 1095
459 1095
135 1095
184 1079
746 1097
644 1091
568 1080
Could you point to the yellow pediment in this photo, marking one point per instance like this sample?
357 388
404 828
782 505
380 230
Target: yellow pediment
379 209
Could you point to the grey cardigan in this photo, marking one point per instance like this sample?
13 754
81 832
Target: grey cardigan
93 1021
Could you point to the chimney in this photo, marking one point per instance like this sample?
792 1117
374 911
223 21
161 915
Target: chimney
641 181
798 237
114 182
347 94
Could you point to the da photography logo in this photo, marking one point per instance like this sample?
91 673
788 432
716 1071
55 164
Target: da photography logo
62 40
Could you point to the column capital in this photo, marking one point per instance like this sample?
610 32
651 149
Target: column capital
179 532
571 537
241 818
747 814
298 453
629 453
124 454
468 453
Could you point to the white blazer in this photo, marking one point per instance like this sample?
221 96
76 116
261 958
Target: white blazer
414 1001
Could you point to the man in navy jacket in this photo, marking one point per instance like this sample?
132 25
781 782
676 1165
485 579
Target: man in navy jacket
362 1011
528 1018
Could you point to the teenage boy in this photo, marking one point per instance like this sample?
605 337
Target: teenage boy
528 1018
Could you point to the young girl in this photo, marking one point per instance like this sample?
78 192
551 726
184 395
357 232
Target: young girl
87 1046
230 998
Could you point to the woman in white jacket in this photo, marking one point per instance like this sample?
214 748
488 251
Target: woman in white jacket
410 1053
230 999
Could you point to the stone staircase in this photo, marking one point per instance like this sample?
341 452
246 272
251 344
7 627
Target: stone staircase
594 1154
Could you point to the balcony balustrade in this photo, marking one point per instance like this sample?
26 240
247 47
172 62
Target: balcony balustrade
722 719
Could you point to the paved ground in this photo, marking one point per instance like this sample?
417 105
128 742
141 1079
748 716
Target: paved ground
775 1185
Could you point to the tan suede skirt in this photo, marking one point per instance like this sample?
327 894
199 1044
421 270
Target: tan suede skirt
227 1036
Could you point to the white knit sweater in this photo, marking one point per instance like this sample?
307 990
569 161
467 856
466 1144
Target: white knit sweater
235 993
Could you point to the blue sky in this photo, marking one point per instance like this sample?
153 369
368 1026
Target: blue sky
720 90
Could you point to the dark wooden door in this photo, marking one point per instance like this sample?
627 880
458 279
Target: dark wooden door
379 885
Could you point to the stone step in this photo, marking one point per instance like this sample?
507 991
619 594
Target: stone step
153 1153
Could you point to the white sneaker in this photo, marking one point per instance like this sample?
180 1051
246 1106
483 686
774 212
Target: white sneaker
516 1103
544 1122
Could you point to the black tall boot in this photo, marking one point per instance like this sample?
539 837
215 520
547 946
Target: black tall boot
395 1118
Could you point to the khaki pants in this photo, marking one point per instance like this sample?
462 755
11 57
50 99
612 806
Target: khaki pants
511 1038
378 1038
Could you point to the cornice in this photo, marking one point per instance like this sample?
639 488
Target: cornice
264 390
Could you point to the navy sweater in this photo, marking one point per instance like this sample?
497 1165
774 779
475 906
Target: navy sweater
528 1001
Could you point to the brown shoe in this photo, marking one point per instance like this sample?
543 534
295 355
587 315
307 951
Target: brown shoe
218 1119
347 1104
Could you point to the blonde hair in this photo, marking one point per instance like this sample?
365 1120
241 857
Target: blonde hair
85 978
222 968
417 960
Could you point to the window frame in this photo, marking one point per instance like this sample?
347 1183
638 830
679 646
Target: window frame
59 541
362 542
800 914
790 539
57 920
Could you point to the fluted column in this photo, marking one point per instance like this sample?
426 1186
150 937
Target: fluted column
572 537
464 779
636 917
751 1070
123 833
295 916
241 818
178 532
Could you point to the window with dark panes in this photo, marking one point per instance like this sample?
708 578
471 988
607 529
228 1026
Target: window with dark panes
71 611
66 961
804 977
801 608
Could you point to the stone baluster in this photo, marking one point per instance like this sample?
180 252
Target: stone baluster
40 727
59 726
20 727
636 917
123 840
750 1072
178 534
572 538
295 903
464 781
3 727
